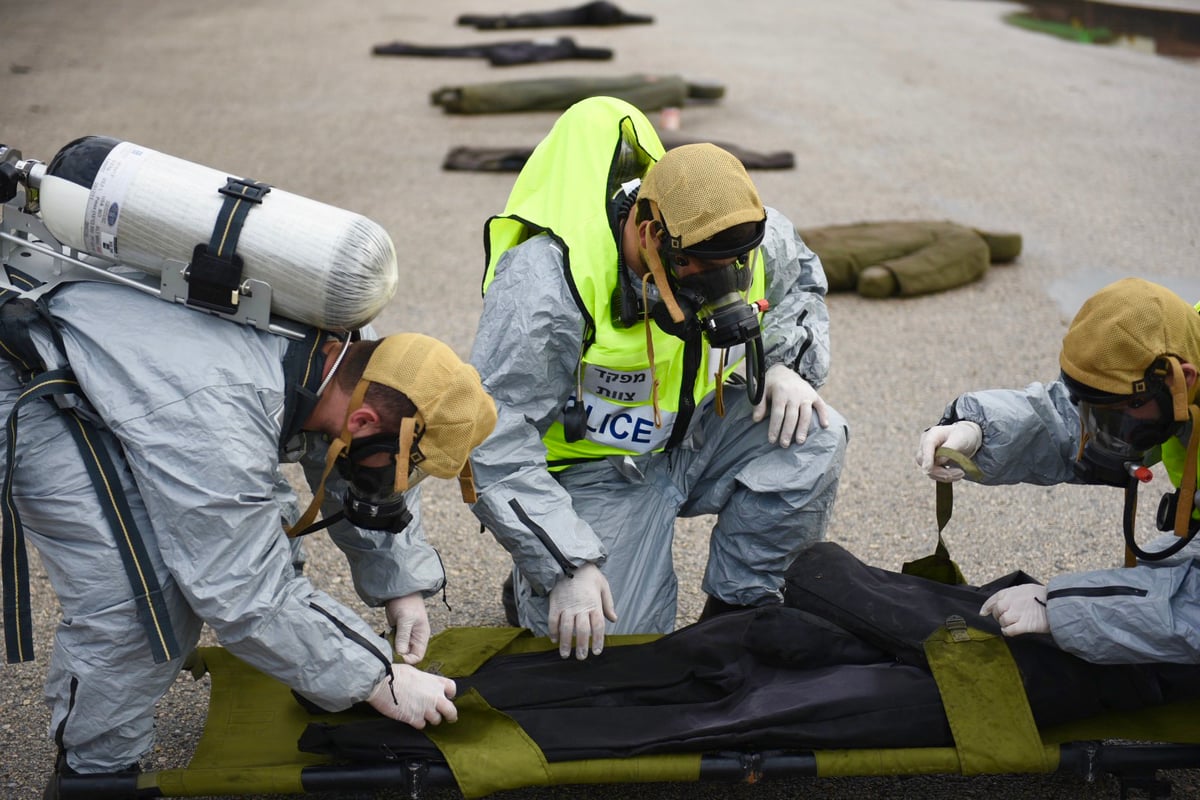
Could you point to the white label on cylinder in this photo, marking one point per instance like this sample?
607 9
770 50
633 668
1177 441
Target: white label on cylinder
103 214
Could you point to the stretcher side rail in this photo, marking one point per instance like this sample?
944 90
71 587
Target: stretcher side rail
1132 763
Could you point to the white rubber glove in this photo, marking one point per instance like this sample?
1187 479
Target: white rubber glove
410 621
793 401
1019 609
579 604
963 436
408 695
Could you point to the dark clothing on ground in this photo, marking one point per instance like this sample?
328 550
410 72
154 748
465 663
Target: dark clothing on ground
511 159
646 92
597 13
501 54
914 257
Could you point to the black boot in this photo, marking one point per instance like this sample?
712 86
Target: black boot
118 781
60 768
715 605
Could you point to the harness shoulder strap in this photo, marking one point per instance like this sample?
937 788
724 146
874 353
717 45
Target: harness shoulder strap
302 365
16 312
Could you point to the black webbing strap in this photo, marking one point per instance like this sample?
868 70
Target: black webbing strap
19 279
302 376
15 347
215 274
152 611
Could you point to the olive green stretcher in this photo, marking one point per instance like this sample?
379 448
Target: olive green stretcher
248 746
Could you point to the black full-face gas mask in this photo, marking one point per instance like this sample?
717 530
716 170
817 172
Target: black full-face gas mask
703 291
371 500
714 298
1118 430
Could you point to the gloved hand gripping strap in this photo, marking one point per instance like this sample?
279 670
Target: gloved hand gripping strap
938 566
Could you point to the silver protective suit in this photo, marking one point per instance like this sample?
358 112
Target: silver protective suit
190 407
1150 612
619 512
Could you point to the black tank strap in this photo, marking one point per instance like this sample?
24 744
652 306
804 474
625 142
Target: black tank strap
215 274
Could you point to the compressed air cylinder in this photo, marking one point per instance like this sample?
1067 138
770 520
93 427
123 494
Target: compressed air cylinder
326 266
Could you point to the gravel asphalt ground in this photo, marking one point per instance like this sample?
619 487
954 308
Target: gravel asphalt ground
894 109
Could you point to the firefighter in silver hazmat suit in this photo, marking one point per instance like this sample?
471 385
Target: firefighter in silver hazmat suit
190 409
601 341
1125 400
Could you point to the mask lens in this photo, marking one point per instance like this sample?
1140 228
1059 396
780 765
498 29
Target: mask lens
714 281
1110 428
377 479
1129 428
374 482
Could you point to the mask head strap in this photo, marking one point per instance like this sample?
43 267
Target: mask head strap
408 436
649 231
1179 389
466 483
1187 481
